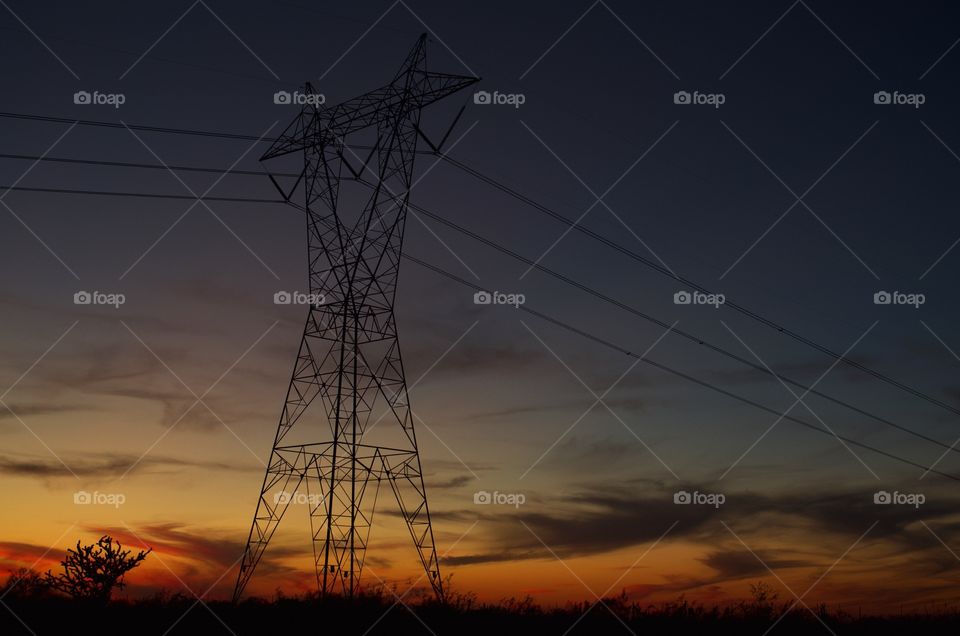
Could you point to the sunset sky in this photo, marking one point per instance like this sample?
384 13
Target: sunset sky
800 196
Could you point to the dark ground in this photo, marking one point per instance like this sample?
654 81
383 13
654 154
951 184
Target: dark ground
375 615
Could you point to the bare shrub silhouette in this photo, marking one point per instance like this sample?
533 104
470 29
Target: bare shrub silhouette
24 584
764 603
92 572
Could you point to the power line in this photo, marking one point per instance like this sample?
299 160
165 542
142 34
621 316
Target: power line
606 298
680 332
140 195
500 248
97 123
666 272
620 349
112 124
150 166
569 223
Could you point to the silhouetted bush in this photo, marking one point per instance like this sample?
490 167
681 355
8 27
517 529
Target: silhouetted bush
24 584
92 572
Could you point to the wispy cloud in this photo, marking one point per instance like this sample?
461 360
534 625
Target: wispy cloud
109 465
593 521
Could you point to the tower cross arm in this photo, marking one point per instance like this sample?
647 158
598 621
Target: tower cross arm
319 126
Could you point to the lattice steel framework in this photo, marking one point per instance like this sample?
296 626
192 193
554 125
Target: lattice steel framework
349 355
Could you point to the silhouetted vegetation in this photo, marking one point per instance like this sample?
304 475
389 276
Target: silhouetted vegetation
24 584
91 572
379 612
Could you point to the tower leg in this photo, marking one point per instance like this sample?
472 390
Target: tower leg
411 493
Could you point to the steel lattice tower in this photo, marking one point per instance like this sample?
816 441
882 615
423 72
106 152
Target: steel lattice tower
349 355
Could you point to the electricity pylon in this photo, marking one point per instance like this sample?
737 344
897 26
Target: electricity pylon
349 355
